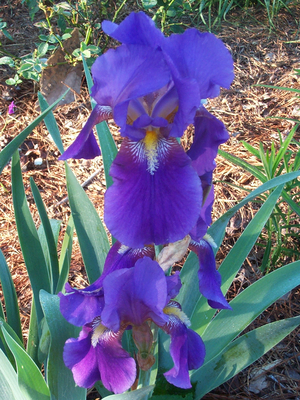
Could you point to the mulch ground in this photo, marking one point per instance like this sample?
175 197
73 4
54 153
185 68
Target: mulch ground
262 56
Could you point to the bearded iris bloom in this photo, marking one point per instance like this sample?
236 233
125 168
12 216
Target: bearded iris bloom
153 86
134 298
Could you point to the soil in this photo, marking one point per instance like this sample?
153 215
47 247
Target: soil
262 56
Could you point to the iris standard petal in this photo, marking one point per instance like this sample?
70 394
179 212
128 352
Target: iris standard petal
187 349
135 295
85 145
155 198
126 73
203 58
209 277
80 306
137 28
209 134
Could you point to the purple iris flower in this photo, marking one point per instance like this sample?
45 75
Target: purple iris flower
133 299
11 108
80 306
152 86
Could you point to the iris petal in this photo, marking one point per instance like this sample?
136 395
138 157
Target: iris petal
127 73
160 207
80 306
209 134
187 351
80 357
137 28
105 360
203 58
209 277
135 295
85 145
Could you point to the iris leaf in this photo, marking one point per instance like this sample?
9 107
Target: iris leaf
240 354
217 230
28 236
235 259
139 394
65 255
51 123
10 297
107 144
47 233
91 234
59 377
248 305
30 378
9 387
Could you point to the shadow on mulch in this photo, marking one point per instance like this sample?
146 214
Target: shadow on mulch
261 57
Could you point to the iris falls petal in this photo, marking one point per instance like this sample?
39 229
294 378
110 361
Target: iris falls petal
209 277
156 196
85 145
187 348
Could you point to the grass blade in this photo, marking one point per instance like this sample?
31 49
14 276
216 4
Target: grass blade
246 166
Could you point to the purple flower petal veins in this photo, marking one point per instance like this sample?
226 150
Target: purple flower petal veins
156 193
98 355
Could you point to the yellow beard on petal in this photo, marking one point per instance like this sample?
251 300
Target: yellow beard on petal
176 312
151 144
98 332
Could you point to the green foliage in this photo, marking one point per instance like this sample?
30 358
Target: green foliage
273 163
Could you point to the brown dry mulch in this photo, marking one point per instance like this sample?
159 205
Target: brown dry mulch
261 56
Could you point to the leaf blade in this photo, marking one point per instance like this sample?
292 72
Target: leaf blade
91 234
237 355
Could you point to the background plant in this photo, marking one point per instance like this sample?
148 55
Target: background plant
61 17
